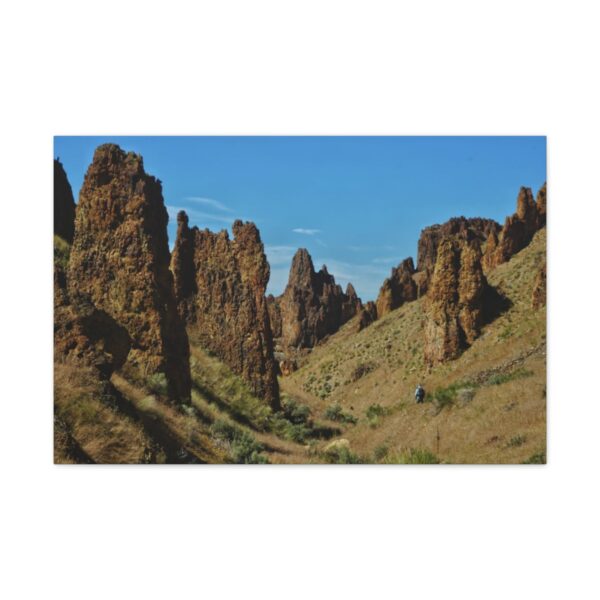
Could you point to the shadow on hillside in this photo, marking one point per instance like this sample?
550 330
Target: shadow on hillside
494 304
212 398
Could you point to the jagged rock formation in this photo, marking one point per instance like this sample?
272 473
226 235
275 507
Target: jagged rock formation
64 205
540 203
351 304
432 236
118 274
274 315
220 285
313 305
455 303
538 297
518 229
366 316
399 288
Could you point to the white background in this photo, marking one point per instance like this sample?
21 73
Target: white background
258 67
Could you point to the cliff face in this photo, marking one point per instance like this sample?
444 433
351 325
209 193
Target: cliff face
313 305
518 229
274 315
220 286
431 237
454 306
64 205
399 288
118 273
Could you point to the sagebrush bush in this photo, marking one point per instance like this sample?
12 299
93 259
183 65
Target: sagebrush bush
157 383
342 456
244 448
413 456
334 412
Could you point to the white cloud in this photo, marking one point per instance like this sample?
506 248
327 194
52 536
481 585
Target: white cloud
306 231
196 215
209 202
280 255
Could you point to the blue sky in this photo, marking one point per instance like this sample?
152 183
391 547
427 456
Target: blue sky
357 204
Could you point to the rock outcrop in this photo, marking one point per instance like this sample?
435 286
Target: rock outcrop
399 288
538 297
64 205
454 306
313 306
432 236
518 229
274 315
118 276
366 316
220 285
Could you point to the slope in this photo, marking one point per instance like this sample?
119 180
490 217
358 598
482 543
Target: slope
487 406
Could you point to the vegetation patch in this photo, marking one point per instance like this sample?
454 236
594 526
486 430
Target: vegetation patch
539 458
374 412
243 447
516 441
61 252
334 412
412 456
501 378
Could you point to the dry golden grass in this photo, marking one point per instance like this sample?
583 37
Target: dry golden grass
87 428
503 423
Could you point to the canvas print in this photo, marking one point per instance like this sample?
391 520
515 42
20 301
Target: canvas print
299 300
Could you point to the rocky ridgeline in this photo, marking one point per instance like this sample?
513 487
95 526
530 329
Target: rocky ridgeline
431 237
220 286
64 205
312 306
119 288
518 229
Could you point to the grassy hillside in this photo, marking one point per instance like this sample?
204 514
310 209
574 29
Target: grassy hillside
487 406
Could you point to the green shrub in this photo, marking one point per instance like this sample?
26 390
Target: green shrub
413 456
295 412
157 383
342 456
380 452
244 448
539 458
516 441
501 378
374 412
445 396
334 412
61 252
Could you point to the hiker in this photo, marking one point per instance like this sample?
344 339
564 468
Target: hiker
419 394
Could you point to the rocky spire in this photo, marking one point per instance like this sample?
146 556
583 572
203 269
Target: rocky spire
313 305
519 228
119 266
220 285
454 304
64 205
